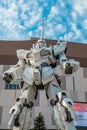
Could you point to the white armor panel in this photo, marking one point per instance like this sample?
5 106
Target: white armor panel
59 48
21 53
37 76
67 103
25 119
47 75
28 75
37 56
72 63
15 71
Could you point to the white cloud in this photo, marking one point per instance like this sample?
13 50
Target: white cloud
35 16
76 31
53 12
60 28
74 34
19 17
62 4
30 34
74 15
50 33
85 24
80 6
22 19
69 36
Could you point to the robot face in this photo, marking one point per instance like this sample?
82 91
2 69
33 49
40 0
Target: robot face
40 43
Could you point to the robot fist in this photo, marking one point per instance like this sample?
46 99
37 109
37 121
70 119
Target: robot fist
71 66
7 77
68 68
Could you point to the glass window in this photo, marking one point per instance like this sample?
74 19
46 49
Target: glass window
14 85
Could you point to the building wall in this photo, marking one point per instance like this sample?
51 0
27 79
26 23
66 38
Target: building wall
74 85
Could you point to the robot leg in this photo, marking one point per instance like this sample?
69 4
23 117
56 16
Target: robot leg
59 112
21 112
66 103
15 111
25 117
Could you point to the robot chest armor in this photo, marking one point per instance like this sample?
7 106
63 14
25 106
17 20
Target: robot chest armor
37 57
36 75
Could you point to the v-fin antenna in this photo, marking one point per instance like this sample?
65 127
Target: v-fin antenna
42 33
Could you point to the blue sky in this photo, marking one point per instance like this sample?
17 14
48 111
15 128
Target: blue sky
63 19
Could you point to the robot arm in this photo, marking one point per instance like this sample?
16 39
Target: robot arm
16 71
68 65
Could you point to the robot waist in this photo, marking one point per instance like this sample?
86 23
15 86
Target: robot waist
47 74
44 76
38 75
52 65
44 64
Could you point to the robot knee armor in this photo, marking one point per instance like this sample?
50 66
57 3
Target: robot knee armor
30 104
20 101
67 104
60 96
64 100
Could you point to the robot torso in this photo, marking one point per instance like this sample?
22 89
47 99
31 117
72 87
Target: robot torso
40 63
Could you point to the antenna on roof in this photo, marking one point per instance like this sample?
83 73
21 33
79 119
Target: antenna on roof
42 33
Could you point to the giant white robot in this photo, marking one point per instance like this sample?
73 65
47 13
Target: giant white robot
37 68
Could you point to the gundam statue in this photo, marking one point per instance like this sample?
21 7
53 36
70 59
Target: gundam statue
37 68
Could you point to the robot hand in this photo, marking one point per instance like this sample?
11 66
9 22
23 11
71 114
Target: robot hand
7 77
70 66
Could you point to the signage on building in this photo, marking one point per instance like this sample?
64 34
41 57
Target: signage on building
81 112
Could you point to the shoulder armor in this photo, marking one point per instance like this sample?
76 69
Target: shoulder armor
46 51
59 48
21 53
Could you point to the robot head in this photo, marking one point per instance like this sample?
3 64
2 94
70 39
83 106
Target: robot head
40 43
